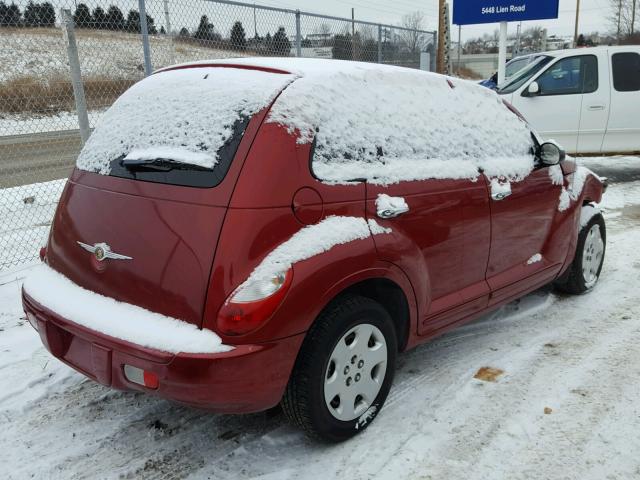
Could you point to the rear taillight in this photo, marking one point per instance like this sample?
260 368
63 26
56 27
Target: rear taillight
253 303
43 253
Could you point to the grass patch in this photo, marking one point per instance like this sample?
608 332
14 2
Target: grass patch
28 94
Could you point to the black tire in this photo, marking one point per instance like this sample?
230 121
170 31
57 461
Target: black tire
573 279
303 402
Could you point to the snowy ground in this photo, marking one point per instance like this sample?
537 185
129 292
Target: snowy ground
575 358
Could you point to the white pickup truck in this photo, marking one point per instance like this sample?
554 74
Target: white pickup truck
587 99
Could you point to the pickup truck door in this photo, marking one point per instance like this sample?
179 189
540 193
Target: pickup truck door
555 110
623 129
595 103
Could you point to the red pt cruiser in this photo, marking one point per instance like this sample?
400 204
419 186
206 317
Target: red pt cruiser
238 235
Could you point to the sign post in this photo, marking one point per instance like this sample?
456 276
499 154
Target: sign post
502 52
471 12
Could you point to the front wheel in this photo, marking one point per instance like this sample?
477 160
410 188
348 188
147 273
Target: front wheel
584 271
344 370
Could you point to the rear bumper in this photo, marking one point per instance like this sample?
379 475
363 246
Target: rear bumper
248 378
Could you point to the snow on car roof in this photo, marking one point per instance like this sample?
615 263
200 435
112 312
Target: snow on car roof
388 124
384 123
185 114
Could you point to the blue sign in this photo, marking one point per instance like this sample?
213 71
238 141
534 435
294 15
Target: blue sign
469 12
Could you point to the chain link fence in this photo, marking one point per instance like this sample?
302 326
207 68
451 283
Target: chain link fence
65 62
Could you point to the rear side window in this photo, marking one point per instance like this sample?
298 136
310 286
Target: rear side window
570 76
180 127
626 71
387 125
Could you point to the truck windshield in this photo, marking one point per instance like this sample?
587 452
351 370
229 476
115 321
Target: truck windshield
525 74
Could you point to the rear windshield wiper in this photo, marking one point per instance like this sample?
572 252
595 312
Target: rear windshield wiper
160 165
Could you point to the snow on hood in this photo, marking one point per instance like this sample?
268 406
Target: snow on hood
388 125
118 319
313 240
189 111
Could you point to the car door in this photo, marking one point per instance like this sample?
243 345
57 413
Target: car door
444 239
555 109
623 129
522 215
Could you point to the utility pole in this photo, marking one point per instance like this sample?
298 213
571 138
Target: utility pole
575 33
619 19
441 28
633 17
255 24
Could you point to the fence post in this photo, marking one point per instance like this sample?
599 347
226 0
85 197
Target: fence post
144 30
379 43
435 51
76 76
298 35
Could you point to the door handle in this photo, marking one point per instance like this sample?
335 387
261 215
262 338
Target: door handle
500 189
390 207
595 107
392 212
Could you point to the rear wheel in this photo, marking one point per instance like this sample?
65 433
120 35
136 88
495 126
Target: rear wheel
585 269
344 370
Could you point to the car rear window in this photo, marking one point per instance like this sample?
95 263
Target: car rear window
626 71
180 127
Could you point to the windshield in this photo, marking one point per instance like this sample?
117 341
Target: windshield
185 120
515 65
525 74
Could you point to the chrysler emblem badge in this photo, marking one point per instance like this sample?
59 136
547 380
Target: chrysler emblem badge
102 251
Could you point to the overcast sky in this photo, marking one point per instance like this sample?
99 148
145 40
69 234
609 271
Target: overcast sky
593 16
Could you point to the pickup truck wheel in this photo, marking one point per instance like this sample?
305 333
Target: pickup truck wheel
344 370
585 269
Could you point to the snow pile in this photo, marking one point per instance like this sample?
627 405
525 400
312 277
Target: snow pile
117 319
389 124
376 228
385 203
177 154
534 259
575 190
556 175
311 241
192 110
588 212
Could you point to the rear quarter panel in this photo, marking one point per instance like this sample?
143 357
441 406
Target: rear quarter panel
261 217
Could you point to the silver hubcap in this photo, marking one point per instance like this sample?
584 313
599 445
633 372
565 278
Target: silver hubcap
355 372
592 256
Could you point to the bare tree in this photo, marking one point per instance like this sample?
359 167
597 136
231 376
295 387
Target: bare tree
412 37
623 19
367 32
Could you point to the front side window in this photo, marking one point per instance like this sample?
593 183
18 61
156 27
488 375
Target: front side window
570 76
626 71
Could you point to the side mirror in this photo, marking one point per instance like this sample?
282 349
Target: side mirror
533 89
550 153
